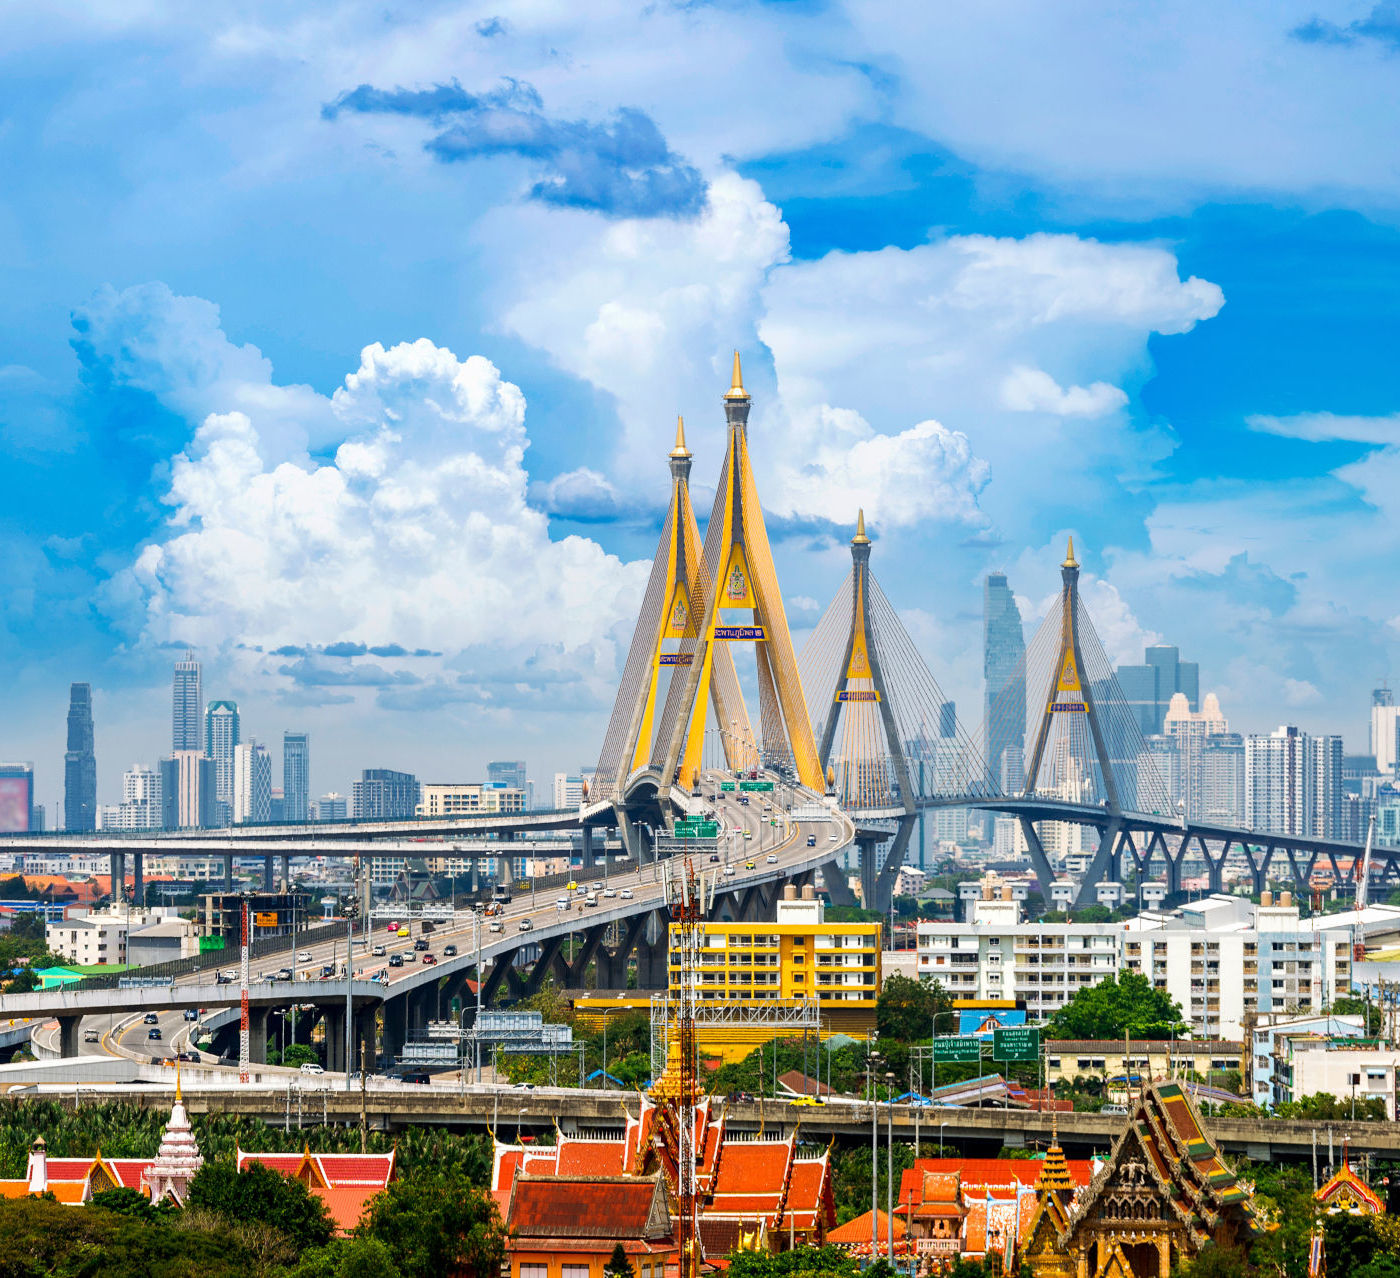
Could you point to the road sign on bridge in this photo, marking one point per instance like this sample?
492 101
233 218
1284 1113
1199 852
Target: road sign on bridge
956 1049
1016 1043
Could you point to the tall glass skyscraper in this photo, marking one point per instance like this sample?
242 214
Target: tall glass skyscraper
221 738
1004 675
80 763
296 776
187 709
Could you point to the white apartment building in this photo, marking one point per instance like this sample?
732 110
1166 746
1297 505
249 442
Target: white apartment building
252 783
1293 782
1219 959
1341 1070
568 791
464 798
1385 730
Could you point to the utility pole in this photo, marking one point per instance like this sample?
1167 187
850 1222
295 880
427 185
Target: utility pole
244 1024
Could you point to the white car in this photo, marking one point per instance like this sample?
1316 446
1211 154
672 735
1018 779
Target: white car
772 858
525 926
729 869
311 1067
626 894
303 956
496 926
609 891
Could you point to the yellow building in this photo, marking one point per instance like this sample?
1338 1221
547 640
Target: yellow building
446 800
1149 1059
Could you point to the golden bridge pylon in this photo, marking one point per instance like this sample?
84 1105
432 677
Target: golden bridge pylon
737 559
1088 748
673 608
889 738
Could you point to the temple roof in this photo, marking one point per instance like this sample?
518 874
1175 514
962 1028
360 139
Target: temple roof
1344 1187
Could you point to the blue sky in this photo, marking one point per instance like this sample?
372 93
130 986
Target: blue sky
347 346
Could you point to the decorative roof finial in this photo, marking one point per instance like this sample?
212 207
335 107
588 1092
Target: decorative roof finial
737 390
680 450
860 539
1070 560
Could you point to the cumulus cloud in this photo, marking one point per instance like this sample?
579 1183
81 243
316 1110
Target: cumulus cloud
1032 390
583 495
417 538
1326 426
623 167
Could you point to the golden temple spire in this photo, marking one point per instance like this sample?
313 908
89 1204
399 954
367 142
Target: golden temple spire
177 1082
737 390
860 539
1070 560
680 450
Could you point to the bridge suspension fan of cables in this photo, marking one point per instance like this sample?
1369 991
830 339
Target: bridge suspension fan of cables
888 737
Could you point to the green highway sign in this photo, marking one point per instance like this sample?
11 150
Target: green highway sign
956 1048
1016 1043
756 785
726 785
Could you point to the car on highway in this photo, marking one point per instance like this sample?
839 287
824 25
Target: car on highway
303 956
572 886
91 1036
811 840
420 944
609 891
772 858
591 899
417 1077
379 951
714 856
796 1100
327 972
154 1034
190 1058
396 960
393 928
150 1019
496 926
749 865
626 894
833 838
449 951
285 974
525 925
561 903
312 1067
430 959
729 869
403 931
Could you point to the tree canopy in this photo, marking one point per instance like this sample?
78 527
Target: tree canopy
437 1223
906 1008
1126 1004
257 1193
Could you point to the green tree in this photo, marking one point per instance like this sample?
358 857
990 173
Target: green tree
1126 1004
618 1265
1324 1106
346 1258
298 1054
1215 1262
436 1224
1349 1005
259 1194
130 1202
906 1008
800 1260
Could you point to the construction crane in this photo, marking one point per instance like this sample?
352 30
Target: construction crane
1364 886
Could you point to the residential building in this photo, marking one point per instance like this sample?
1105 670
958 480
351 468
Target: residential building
1279 775
568 791
17 798
221 738
1385 729
188 791
381 794
1192 732
162 941
445 800
1004 684
187 706
141 807
1149 688
332 807
1127 1066
1222 785
89 940
1327 786
296 777
80 763
798 955
1347 1068
252 784
1270 1049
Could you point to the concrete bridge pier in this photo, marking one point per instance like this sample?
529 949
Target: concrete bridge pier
138 878
228 871
68 1035
286 873
118 875
334 1021
869 872
269 883
257 1035
837 885
364 1042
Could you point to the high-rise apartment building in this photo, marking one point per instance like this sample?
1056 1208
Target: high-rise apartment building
1279 777
17 798
141 807
332 807
187 708
568 791
1385 729
296 776
1327 786
188 786
221 738
1191 731
1149 688
381 794
1004 682
445 799
252 784
1222 779
80 763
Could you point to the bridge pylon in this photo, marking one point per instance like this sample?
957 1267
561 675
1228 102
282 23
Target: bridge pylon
738 560
888 738
676 599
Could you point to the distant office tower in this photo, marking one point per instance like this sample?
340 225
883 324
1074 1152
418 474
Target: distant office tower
252 784
1162 755
188 786
332 807
1279 776
1004 679
1149 688
1385 728
296 776
568 791
141 807
277 808
80 763
17 798
382 794
948 719
1327 786
221 738
509 773
187 709
1191 731
1222 779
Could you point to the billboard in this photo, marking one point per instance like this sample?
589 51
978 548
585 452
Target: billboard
16 798
982 1022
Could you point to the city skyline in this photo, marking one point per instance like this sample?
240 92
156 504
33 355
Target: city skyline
1165 329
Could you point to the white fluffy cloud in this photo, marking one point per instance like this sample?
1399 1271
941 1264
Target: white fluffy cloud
417 536
1032 390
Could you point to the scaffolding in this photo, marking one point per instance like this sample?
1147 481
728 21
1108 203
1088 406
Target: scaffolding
784 1017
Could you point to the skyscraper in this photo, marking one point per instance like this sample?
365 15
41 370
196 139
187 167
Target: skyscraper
1191 730
381 794
509 773
1385 728
17 798
188 780
296 776
1149 688
187 708
252 784
80 763
1004 677
1280 773
221 738
1327 786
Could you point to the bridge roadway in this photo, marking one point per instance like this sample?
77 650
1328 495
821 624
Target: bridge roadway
972 1131
419 991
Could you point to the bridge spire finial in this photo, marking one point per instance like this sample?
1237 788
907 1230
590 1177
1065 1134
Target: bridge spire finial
680 450
1070 560
860 539
737 391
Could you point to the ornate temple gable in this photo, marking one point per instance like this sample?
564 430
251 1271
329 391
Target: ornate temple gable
1346 1191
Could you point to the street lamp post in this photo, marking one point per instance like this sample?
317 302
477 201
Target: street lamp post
871 1067
889 1166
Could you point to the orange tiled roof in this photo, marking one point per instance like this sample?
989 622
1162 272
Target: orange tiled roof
858 1230
590 1157
125 1171
346 1204
585 1207
346 1171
